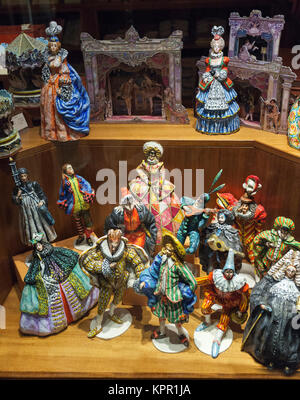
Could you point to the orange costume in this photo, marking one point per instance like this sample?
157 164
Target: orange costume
133 228
231 295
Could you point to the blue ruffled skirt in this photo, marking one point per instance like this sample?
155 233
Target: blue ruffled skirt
217 122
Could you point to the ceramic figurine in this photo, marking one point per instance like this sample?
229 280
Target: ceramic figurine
196 216
75 197
34 216
156 192
249 216
272 114
56 291
271 334
108 265
10 141
65 105
169 285
228 289
218 238
270 245
136 221
216 106
294 125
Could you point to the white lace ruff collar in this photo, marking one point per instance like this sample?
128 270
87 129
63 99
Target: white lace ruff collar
221 283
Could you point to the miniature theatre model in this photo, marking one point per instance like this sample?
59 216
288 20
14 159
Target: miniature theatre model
262 82
134 79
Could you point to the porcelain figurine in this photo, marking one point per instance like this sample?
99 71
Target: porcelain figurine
56 291
10 141
216 106
218 238
136 221
271 334
230 291
34 216
196 216
249 216
76 196
108 265
169 285
158 194
270 245
65 104
294 125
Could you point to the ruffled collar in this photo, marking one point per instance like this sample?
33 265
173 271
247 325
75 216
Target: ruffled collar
104 248
226 286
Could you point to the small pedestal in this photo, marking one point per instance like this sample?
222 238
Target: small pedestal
111 329
204 339
170 344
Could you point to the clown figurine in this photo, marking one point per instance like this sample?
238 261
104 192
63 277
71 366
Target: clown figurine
216 106
169 285
136 220
75 197
249 216
229 290
269 246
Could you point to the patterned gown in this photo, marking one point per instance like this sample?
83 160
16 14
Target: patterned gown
294 125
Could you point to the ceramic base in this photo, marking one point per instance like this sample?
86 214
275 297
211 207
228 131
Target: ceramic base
204 339
84 246
111 329
170 344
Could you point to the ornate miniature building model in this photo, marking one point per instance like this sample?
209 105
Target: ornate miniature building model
134 79
263 83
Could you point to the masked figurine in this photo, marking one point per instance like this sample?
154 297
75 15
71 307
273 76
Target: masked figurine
271 334
75 197
56 291
249 216
136 221
196 217
32 202
216 106
156 192
108 265
169 285
229 290
269 246
218 238
65 104
294 125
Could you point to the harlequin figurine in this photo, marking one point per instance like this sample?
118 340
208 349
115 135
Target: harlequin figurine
157 193
196 216
108 265
65 104
269 246
271 334
137 222
169 285
294 125
34 216
56 291
216 106
249 216
75 197
228 289
218 238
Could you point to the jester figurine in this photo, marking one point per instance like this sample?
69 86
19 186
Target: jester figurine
228 289
270 245
196 216
249 216
137 222
108 264
56 291
75 197
169 285
216 106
